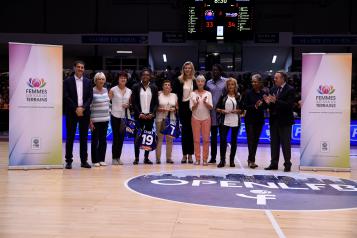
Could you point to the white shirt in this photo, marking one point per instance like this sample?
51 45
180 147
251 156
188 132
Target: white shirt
145 99
231 119
79 86
120 97
202 112
187 90
166 101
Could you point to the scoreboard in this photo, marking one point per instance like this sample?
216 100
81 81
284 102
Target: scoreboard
219 19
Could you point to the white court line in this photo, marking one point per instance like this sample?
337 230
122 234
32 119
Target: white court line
272 220
275 224
240 164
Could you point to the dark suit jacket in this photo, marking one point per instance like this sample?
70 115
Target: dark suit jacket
177 88
135 99
282 109
70 97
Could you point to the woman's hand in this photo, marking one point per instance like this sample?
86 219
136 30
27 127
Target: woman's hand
236 111
125 105
258 104
223 111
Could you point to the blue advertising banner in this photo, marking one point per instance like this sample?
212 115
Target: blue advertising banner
242 136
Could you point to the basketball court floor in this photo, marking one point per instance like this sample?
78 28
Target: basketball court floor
177 200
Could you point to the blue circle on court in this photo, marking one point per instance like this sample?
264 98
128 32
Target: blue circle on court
235 188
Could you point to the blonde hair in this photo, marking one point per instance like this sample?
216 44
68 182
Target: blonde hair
99 75
183 77
235 84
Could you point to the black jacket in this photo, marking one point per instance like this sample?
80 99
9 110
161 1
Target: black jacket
177 87
282 109
135 99
253 115
70 97
222 105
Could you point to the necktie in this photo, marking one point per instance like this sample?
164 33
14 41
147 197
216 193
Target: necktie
279 91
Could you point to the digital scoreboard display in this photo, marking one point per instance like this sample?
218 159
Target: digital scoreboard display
219 19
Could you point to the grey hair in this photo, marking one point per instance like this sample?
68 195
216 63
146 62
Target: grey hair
99 75
257 77
200 77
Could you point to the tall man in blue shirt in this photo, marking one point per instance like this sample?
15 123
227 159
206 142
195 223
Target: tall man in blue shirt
216 86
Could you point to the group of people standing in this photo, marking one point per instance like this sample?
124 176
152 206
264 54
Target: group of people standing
203 108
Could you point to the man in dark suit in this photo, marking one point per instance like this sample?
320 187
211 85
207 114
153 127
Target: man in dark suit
280 103
144 100
77 96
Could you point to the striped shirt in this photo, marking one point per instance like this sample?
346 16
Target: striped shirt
100 107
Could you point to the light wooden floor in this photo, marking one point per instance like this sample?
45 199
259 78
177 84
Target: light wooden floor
95 203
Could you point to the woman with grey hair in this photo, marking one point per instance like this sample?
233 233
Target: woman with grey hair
99 119
254 117
201 105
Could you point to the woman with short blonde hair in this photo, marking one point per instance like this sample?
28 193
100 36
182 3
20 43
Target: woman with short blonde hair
229 109
234 81
99 119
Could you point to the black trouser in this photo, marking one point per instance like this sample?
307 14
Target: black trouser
71 126
214 132
99 141
186 135
253 134
223 142
142 124
118 130
280 136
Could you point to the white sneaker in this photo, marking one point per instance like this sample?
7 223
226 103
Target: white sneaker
96 164
102 164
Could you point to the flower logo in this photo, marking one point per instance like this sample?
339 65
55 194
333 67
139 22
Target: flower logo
36 83
326 89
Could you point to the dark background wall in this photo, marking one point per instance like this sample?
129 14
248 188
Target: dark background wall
70 17
141 16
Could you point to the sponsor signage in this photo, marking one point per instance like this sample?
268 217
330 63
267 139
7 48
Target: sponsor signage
35 115
110 39
242 135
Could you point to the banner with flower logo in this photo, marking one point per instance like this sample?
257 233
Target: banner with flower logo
35 126
325 112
